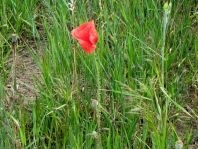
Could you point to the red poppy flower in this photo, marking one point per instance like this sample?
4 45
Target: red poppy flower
87 36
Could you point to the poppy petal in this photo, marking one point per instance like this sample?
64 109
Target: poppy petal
93 37
86 35
82 34
87 47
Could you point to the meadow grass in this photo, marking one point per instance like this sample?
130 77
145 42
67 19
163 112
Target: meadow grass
142 73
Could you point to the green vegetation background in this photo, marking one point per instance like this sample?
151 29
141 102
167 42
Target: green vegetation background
136 110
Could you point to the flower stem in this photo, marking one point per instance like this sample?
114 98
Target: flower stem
98 117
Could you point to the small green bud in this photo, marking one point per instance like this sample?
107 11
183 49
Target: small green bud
167 7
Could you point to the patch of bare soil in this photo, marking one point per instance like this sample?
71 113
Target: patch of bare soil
189 124
26 72
184 127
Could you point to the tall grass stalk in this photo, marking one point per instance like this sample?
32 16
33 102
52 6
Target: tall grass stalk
14 48
98 112
75 76
167 10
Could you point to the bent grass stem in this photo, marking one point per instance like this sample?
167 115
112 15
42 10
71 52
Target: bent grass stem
98 114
